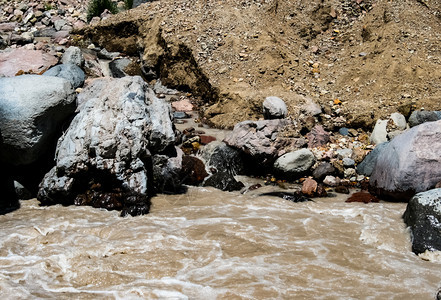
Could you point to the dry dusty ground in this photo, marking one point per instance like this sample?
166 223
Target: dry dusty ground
375 56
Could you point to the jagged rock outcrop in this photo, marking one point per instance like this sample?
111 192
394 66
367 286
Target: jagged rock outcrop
104 159
409 163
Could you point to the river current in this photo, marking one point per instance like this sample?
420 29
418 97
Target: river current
209 244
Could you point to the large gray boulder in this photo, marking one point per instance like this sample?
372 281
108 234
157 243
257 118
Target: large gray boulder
294 164
258 139
70 72
104 159
32 109
409 164
423 216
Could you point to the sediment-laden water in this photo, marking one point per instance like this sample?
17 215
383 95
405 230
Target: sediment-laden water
209 244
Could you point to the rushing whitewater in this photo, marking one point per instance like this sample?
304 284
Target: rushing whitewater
210 244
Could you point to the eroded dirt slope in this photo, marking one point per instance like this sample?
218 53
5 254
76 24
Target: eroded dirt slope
375 56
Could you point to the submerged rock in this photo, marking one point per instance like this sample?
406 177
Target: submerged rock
409 163
193 171
423 216
294 197
224 181
104 159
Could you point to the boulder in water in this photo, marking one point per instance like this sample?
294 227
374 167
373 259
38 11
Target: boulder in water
224 181
104 159
423 216
409 163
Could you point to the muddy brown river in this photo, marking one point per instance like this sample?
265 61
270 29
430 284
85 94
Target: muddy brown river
209 244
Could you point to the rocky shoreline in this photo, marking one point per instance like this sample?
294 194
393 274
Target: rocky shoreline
81 126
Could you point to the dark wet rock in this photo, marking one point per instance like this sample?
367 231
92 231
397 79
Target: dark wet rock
166 170
294 164
118 67
107 149
193 171
22 192
409 164
423 216
9 199
13 61
70 72
363 197
421 116
341 189
323 169
366 167
32 110
206 139
317 137
294 196
224 181
73 55
274 108
223 158
258 139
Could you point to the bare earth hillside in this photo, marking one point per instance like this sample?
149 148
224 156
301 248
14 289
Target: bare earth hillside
359 59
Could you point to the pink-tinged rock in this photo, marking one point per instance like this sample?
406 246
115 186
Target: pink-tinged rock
5 27
32 61
309 187
408 164
206 139
79 25
317 137
182 105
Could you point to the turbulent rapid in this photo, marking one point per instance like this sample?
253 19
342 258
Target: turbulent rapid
209 244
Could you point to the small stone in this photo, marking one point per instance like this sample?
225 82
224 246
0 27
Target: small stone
343 131
274 108
348 162
331 180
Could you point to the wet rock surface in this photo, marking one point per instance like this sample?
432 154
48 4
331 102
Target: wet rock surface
423 216
104 158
